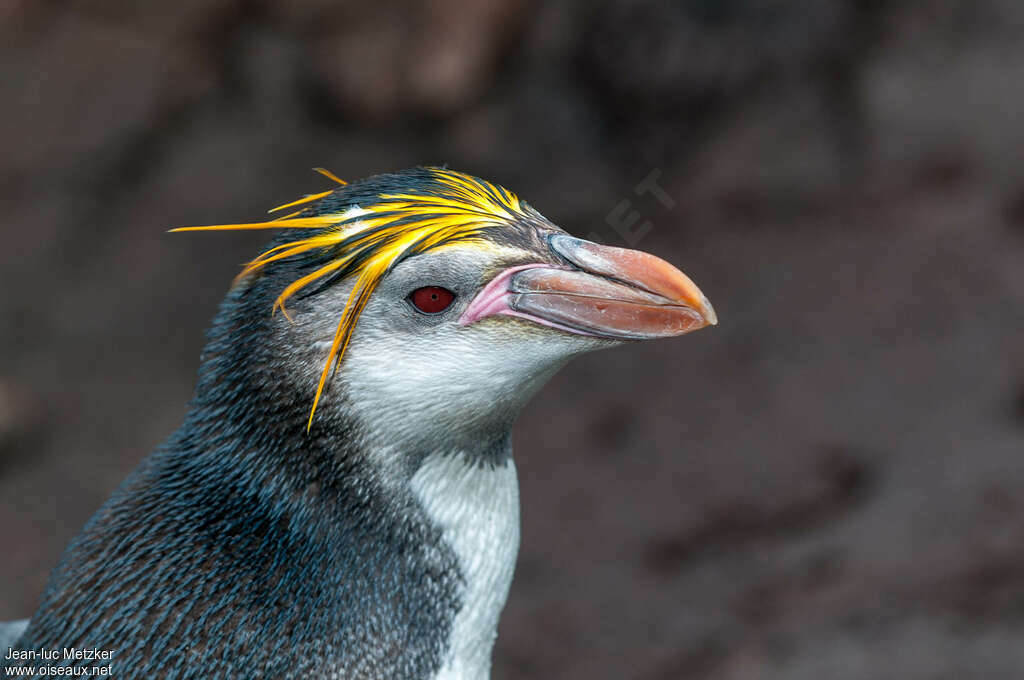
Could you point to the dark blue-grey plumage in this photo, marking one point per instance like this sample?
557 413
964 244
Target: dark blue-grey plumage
241 548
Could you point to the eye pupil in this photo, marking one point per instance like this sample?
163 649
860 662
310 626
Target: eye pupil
432 299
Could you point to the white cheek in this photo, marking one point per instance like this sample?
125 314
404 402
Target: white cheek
459 366
460 378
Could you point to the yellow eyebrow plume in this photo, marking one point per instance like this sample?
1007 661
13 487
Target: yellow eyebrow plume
367 241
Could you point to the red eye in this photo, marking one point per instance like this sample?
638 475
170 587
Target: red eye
432 299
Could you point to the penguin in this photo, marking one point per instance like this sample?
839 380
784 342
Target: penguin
341 499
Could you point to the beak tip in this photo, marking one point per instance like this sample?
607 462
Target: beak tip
708 312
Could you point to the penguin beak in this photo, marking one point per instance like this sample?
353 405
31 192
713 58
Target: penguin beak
603 291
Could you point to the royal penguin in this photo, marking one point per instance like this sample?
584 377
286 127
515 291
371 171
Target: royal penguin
341 500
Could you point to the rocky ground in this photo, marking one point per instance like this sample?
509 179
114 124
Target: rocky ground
827 485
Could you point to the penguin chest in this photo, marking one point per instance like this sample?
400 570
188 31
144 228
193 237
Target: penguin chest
476 507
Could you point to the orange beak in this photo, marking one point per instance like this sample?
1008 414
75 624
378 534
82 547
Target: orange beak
607 292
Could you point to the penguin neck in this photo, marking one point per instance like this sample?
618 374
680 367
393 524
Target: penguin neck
464 480
465 496
460 505
466 485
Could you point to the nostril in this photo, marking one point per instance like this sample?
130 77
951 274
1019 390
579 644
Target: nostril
565 246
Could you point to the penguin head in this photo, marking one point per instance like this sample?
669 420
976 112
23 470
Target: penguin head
431 305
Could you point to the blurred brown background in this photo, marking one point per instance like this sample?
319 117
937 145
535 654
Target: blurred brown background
830 484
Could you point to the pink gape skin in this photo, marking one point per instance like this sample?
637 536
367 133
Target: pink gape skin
493 301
